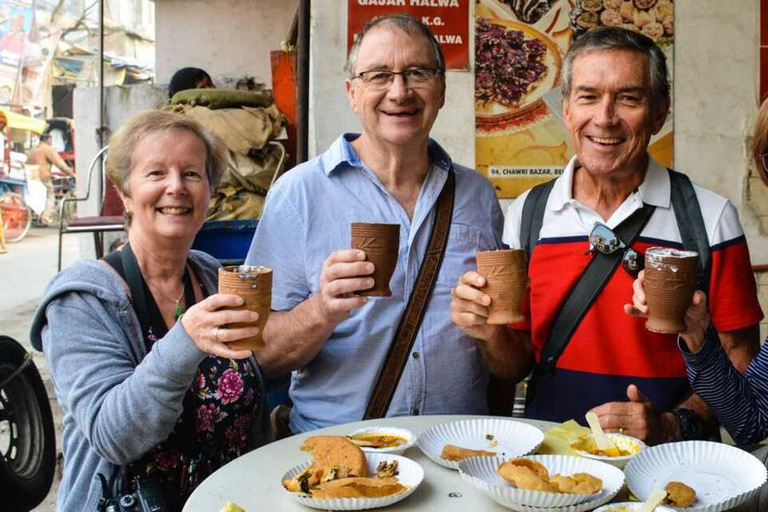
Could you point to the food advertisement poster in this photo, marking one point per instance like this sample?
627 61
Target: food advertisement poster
16 17
521 140
448 20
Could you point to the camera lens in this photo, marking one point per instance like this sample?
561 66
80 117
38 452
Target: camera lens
127 502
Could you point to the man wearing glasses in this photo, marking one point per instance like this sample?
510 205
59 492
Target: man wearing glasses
334 340
616 96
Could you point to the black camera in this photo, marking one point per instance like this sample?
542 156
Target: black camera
145 495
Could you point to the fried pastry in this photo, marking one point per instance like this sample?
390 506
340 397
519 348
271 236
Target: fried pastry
532 475
457 453
526 474
358 488
679 495
330 451
577 483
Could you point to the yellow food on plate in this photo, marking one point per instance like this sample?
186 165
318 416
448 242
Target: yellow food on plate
531 475
587 444
577 483
526 474
377 441
339 470
679 495
231 507
457 453
338 451
358 488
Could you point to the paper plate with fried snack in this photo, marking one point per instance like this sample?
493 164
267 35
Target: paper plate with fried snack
629 506
567 483
699 476
627 447
343 477
383 439
448 443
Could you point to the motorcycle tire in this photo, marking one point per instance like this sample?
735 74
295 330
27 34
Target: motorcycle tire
27 435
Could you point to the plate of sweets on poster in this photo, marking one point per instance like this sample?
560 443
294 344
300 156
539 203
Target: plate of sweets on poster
653 18
341 476
448 443
698 476
547 483
515 65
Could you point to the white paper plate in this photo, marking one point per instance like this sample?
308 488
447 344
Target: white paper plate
480 472
629 505
406 434
722 476
623 442
411 475
510 438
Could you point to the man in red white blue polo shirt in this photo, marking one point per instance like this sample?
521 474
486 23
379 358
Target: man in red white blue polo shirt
616 96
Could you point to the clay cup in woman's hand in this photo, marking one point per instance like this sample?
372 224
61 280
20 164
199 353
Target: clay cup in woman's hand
206 323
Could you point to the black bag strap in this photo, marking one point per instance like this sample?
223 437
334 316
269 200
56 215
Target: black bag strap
405 334
690 223
533 216
588 287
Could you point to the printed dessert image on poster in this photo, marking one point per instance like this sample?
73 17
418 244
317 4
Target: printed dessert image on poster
520 138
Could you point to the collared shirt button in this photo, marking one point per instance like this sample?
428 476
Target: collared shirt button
415 355
415 411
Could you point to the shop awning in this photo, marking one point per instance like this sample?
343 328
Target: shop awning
22 122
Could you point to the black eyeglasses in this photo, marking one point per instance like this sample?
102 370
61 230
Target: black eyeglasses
413 77
602 239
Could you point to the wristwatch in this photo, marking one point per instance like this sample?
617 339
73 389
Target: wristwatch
691 426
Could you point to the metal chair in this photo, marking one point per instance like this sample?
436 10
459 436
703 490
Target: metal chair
108 220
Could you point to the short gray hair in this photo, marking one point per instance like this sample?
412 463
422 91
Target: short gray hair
122 144
616 38
407 24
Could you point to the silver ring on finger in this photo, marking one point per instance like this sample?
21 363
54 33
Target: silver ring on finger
216 333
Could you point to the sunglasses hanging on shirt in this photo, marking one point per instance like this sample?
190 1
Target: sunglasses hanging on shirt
603 240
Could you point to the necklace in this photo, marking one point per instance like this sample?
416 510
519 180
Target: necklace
178 308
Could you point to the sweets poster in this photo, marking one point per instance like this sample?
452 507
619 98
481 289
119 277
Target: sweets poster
520 139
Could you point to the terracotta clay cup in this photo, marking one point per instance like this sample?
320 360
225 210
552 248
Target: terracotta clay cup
506 277
670 280
254 285
381 244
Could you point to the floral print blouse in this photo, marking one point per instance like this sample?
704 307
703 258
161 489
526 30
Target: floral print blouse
218 410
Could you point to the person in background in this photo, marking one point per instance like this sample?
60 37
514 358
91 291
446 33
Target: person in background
189 78
334 340
5 148
137 342
45 156
616 97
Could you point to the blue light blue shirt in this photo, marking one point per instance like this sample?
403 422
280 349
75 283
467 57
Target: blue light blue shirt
308 215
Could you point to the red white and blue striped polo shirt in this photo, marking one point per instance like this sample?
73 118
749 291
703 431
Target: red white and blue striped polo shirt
610 349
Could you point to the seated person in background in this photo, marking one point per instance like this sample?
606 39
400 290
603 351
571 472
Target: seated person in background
189 78
45 156
616 96
143 388
334 340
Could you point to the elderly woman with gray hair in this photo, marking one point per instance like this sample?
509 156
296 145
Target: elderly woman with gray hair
154 400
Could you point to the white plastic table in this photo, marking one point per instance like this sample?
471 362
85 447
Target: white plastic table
253 481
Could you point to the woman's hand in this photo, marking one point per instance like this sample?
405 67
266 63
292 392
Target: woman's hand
697 318
206 323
